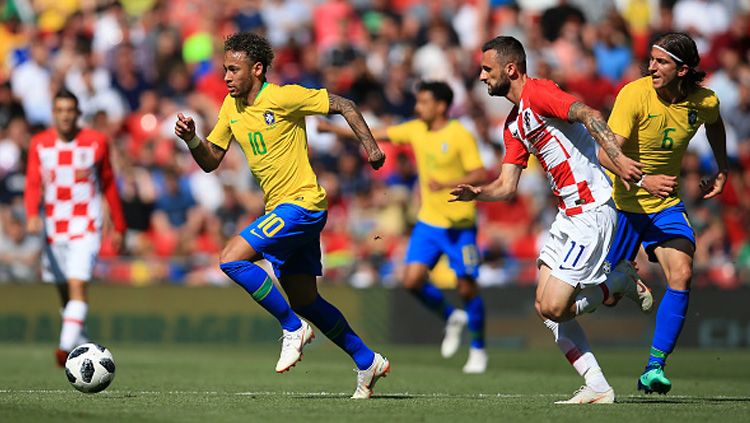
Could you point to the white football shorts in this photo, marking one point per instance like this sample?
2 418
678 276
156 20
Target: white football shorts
577 245
74 259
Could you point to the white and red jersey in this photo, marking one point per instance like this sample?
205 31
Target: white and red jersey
71 176
539 125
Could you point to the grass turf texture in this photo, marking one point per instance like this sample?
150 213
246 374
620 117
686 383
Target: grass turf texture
204 383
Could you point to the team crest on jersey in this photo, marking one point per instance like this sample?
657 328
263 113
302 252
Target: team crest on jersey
692 116
269 117
444 147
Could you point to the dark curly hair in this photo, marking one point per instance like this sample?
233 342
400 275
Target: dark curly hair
255 46
682 46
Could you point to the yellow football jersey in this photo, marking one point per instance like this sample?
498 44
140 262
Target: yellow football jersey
443 155
657 134
271 133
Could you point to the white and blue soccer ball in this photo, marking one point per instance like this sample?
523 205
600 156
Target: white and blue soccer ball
90 368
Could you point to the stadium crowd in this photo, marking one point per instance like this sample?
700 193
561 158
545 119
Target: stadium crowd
134 64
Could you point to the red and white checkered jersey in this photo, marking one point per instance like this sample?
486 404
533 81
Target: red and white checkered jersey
539 125
71 176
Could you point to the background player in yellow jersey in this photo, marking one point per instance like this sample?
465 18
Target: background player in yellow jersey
447 155
653 119
267 121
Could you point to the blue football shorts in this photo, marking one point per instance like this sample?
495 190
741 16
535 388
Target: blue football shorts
649 230
428 243
289 238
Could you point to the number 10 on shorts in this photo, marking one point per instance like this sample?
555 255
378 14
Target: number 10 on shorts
271 225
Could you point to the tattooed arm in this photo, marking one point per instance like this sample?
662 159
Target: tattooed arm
347 108
629 170
207 154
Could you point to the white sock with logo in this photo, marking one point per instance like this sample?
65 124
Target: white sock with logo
74 318
571 340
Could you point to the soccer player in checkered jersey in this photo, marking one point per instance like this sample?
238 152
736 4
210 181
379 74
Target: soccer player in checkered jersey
561 132
268 123
68 173
654 118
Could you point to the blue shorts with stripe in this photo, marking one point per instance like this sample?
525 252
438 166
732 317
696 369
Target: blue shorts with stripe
428 243
289 238
649 230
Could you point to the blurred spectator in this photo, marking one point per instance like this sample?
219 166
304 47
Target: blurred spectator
19 252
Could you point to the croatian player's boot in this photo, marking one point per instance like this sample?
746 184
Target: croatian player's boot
453 328
477 362
61 356
635 289
291 346
586 395
366 378
654 380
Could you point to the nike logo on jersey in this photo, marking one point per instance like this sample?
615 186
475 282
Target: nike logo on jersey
234 121
650 116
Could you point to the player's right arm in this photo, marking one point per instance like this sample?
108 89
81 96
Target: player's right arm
503 187
207 154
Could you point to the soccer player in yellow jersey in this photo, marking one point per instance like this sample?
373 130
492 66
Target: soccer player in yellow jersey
268 122
653 119
447 155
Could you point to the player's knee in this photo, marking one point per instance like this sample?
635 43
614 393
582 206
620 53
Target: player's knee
552 311
413 282
467 288
680 278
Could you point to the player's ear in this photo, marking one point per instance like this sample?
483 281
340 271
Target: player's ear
258 69
682 70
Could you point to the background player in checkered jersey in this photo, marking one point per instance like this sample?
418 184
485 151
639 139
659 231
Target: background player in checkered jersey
68 172
558 129
654 118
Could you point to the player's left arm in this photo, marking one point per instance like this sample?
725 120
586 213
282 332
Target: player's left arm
347 108
109 189
626 168
717 137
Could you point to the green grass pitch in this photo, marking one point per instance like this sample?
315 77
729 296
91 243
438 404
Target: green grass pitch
201 383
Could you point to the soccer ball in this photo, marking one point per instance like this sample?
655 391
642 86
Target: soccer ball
90 368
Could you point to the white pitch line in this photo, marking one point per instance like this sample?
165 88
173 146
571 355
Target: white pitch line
325 394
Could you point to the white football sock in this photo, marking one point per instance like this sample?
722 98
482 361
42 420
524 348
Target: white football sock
74 317
571 340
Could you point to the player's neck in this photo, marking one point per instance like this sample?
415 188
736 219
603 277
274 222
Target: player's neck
438 123
253 94
516 88
671 94
68 136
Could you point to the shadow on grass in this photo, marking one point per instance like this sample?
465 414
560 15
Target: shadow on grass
683 400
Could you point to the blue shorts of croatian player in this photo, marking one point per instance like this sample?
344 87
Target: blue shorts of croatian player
428 243
650 230
289 238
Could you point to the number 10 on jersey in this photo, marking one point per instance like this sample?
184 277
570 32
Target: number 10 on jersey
257 143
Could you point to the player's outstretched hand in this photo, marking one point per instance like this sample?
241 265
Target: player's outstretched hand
184 127
464 192
661 186
376 158
711 187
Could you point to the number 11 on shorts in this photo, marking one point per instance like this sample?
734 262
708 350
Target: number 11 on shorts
573 254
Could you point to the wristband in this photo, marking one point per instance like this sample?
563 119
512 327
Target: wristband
640 181
194 143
